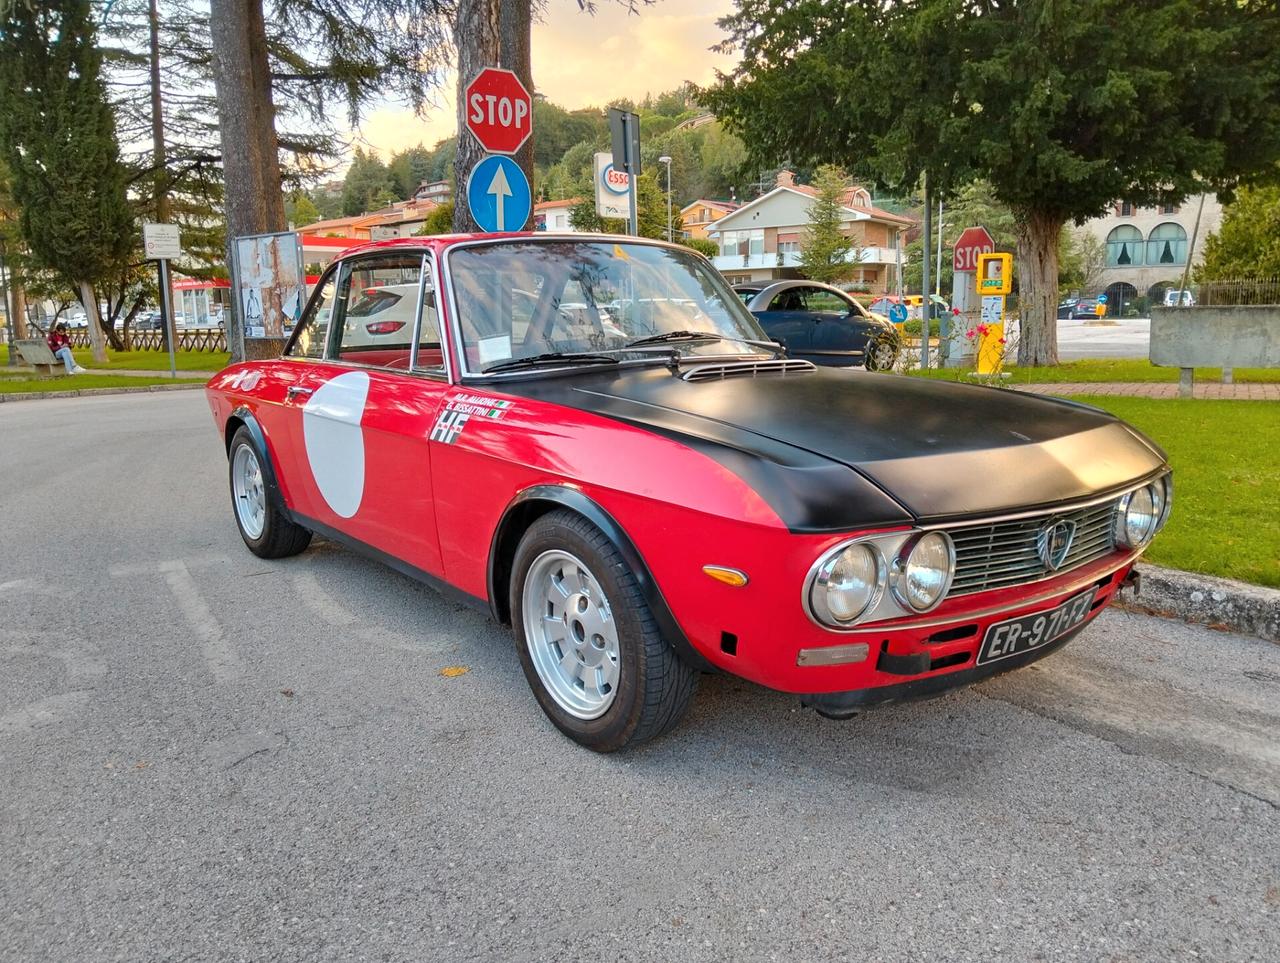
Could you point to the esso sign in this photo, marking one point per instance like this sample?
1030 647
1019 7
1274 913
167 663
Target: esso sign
499 111
971 242
616 181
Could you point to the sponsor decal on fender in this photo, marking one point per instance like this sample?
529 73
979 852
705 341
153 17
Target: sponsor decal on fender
460 409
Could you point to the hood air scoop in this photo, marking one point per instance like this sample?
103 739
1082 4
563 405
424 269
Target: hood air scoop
746 369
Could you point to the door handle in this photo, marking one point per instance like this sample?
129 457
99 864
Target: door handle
294 390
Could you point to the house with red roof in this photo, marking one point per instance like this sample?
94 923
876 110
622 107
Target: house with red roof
761 240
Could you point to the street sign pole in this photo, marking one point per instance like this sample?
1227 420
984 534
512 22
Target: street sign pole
627 120
166 310
160 242
925 250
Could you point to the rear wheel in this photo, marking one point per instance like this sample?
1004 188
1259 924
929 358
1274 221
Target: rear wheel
265 528
587 640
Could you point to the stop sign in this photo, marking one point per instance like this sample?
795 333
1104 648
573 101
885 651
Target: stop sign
971 242
499 110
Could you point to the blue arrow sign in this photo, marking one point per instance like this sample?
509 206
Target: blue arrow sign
898 313
498 195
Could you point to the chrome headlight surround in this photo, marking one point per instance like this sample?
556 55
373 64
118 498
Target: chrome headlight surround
900 577
818 584
1139 514
1167 507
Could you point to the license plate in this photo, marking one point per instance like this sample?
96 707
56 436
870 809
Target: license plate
1016 636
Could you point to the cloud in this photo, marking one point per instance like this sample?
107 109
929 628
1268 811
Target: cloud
584 60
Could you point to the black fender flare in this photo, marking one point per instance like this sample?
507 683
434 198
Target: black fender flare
246 417
575 500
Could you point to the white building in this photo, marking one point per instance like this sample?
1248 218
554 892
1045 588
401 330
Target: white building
1147 246
761 240
554 215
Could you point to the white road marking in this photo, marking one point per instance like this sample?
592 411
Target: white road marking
219 654
307 588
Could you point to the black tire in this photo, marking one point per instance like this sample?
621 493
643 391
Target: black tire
889 346
280 536
654 686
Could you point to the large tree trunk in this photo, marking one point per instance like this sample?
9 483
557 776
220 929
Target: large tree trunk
89 299
18 304
1038 286
487 33
254 201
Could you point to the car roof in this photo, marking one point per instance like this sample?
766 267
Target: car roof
438 243
777 286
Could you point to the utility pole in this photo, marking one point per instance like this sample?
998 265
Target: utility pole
666 159
161 174
926 245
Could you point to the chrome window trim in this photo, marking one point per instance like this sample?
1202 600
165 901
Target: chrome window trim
446 266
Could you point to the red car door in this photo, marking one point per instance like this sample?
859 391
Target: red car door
366 411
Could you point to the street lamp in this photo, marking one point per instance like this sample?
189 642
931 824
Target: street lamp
666 159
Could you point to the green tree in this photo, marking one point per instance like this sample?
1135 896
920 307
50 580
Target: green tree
439 221
301 211
367 183
827 250
58 135
1064 105
703 245
1247 245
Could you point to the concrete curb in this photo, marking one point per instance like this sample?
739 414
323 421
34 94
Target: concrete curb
1208 600
87 392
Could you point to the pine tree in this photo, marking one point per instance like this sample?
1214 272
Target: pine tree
58 134
826 251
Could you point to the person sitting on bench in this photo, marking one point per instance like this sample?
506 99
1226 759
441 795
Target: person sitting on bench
60 345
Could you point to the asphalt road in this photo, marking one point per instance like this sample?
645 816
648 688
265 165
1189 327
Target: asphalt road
210 757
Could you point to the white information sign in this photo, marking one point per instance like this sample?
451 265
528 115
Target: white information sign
613 188
161 242
992 308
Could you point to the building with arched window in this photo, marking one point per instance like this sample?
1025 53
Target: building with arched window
1147 247
1124 247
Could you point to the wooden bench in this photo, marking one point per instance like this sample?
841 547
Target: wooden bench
36 353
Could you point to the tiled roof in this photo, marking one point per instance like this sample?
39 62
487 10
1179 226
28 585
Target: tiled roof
566 202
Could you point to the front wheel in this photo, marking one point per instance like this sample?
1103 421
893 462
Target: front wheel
587 641
881 354
265 528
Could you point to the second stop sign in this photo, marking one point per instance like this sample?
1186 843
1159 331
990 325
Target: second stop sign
499 111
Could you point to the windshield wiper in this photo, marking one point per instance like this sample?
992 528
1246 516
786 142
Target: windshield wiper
666 337
550 358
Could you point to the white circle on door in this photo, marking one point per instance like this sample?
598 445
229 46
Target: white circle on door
335 441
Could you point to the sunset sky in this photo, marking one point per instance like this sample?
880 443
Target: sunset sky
581 60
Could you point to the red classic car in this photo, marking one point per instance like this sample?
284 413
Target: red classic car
591 439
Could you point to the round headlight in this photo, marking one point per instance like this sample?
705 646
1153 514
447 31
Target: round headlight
847 584
1168 501
1139 512
923 570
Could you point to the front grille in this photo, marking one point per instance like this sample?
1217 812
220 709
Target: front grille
1002 554
746 369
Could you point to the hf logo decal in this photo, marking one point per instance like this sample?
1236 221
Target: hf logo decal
460 409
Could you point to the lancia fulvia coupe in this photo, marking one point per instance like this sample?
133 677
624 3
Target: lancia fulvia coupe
591 439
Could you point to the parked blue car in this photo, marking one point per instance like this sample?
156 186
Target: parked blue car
822 324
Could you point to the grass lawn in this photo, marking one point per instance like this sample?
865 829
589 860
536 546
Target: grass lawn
13 385
1226 469
1103 370
154 360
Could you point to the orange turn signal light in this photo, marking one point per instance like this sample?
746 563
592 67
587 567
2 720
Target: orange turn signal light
730 576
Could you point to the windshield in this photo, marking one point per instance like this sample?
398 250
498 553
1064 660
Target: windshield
522 299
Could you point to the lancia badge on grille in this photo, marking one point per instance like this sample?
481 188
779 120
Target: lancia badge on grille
1053 541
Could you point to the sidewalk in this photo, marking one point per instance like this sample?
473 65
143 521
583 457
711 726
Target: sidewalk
1137 389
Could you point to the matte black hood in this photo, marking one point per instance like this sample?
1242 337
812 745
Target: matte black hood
938 449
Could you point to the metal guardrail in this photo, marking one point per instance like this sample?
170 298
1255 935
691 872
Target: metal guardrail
1232 291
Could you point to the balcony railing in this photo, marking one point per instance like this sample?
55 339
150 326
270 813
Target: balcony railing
774 259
